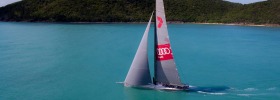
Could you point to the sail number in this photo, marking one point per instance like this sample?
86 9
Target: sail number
164 52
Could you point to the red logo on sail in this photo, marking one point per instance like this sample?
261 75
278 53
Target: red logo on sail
160 22
164 52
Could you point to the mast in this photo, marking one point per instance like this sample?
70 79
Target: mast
155 49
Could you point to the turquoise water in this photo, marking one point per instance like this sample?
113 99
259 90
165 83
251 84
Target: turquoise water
57 61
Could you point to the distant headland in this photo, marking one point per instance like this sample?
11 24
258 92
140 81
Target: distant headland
186 11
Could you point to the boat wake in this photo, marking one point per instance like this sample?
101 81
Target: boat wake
213 90
210 89
119 82
212 93
251 92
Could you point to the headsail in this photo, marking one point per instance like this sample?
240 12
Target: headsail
139 73
165 68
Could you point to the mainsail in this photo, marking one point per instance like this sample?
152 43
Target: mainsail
165 68
139 73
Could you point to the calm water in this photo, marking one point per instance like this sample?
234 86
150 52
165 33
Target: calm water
47 61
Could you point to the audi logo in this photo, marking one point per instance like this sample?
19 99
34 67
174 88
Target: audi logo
163 51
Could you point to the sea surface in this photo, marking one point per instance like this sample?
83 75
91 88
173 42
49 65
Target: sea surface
67 61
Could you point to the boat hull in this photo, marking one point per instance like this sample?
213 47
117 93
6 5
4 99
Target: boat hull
159 87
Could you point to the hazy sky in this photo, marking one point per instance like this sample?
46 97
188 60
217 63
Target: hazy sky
5 2
245 1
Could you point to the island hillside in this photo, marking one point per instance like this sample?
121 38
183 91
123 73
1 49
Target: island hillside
198 11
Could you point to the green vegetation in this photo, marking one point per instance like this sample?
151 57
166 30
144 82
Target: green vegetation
209 11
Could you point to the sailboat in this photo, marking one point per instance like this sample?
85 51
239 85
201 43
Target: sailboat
166 75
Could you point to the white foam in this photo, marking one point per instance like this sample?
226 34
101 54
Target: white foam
246 95
233 89
192 86
120 82
250 89
259 94
271 89
214 93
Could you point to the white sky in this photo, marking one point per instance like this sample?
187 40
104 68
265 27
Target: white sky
5 2
245 1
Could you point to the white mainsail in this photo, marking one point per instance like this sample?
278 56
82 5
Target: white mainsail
139 73
165 68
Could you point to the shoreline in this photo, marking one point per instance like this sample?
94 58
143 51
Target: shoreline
179 22
169 22
230 24
241 24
